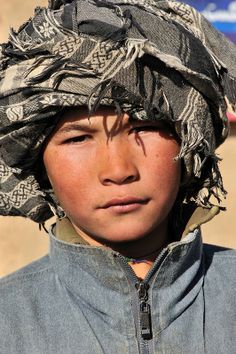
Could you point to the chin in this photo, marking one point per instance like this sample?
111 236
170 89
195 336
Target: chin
122 236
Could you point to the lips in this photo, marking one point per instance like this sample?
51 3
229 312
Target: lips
127 202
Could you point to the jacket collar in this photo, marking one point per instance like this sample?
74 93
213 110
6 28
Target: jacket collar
192 218
86 271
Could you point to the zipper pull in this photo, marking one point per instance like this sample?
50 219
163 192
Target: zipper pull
145 311
145 320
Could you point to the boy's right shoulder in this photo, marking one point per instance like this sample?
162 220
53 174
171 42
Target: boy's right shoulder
31 273
22 290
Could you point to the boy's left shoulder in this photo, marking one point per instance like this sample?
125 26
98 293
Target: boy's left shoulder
218 252
220 263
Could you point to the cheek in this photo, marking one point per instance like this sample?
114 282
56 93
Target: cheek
69 177
164 172
166 177
163 160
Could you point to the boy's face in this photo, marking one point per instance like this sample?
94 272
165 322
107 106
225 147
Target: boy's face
115 178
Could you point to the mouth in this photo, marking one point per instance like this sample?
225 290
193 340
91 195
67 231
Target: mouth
124 205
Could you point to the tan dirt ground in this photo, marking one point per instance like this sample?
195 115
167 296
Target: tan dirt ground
21 241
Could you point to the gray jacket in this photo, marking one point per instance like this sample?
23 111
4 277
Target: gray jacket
82 299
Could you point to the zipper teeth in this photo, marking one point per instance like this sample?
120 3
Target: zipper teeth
130 272
151 271
157 262
129 269
144 347
134 279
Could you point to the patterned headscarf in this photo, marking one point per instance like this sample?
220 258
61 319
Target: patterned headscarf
151 59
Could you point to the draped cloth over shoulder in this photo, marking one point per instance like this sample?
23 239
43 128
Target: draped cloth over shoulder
151 59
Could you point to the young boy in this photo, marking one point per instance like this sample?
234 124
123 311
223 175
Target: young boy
111 112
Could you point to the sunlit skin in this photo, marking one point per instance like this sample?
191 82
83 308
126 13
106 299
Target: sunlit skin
116 179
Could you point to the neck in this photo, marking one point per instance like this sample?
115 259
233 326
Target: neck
141 253
142 265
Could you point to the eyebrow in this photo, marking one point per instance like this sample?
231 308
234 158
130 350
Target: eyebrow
75 127
85 128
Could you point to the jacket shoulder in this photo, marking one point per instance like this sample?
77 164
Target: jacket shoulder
28 273
220 264
23 289
218 252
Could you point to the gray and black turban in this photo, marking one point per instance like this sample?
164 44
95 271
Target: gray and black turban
151 59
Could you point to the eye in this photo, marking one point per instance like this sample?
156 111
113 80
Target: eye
78 139
159 127
145 128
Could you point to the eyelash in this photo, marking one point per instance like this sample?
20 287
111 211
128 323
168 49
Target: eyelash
77 139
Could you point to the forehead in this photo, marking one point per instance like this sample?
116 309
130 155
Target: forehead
103 117
82 113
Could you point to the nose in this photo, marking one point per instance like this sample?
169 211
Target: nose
117 165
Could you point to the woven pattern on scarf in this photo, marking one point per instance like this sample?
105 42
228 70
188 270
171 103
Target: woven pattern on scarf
152 59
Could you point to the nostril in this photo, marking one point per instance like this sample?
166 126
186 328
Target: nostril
130 179
120 180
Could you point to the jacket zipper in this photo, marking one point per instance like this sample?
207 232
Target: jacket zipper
144 325
144 310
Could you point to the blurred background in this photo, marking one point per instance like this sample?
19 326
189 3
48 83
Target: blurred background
21 241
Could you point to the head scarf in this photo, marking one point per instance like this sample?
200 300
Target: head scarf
151 59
